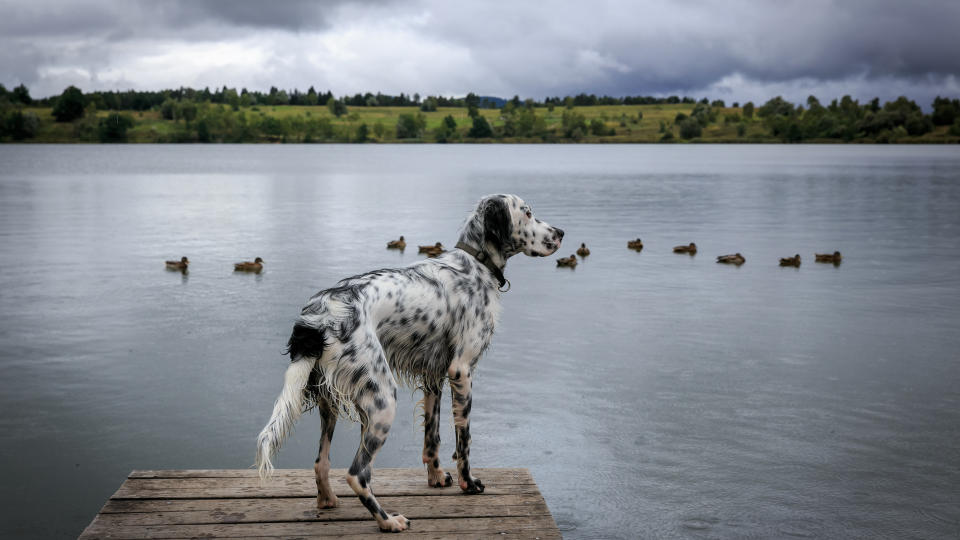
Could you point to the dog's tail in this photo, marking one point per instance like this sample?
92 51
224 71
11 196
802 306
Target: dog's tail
286 411
306 345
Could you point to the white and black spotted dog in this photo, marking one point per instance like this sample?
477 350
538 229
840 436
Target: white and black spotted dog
422 325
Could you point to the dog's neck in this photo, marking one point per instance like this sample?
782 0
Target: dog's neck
488 255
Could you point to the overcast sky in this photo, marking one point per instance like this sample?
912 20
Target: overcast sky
731 50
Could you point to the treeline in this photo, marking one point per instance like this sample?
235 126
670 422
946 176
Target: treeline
225 115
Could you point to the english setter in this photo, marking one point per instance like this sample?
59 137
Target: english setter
420 325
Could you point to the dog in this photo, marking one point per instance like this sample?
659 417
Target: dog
419 325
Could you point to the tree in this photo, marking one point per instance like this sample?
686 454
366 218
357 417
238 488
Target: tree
429 104
776 107
410 126
748 109
21 94
337 107
481 128
70 105
113 128
168 110
574 124
363 133
187 110
447 129
945 111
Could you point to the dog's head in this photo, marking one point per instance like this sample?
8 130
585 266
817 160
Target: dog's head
506 224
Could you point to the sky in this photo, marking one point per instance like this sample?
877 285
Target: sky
731 50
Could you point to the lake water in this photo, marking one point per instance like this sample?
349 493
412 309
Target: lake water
652 395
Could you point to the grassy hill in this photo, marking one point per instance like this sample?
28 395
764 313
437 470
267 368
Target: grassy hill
300 124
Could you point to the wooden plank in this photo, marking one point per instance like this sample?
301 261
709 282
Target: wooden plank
100 528
400 482
350 511
307 473
127 492
387 477
301 508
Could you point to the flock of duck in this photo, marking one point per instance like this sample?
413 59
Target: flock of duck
430 251
255 266
691 249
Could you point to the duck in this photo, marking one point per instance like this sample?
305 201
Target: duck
427 249
736 259
570 261
247 266
790 261
635 244
178 265
834 257
435 251
583 251
691 249
400 244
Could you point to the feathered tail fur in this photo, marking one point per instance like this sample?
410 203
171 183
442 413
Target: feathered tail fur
286 411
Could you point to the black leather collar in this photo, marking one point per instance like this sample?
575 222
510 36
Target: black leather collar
484 259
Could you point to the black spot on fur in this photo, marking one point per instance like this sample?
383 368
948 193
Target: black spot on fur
305 342
358 374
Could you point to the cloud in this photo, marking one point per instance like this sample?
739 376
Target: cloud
735 50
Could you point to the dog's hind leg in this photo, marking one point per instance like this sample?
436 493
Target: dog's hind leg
378 404
431 440
461 386
328 421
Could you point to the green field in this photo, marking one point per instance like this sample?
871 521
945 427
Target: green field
298 124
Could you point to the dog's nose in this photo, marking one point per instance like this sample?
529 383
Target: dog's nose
559 233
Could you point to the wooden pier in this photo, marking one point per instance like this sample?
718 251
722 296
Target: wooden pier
233 504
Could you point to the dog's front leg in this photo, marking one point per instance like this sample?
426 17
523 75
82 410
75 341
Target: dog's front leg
461 384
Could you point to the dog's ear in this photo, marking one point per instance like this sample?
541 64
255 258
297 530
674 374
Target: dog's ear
496 222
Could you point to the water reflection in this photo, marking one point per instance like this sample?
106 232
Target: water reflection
651 394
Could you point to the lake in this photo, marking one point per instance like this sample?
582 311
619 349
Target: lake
652 395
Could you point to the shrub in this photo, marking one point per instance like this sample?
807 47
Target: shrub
599 128
574 124
22 125
667 136
690 128
113 128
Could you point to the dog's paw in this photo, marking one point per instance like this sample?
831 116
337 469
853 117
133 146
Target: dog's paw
436 477
472 486
329 501
447 480
395 523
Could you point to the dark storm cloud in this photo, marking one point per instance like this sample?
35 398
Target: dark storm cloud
692 47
